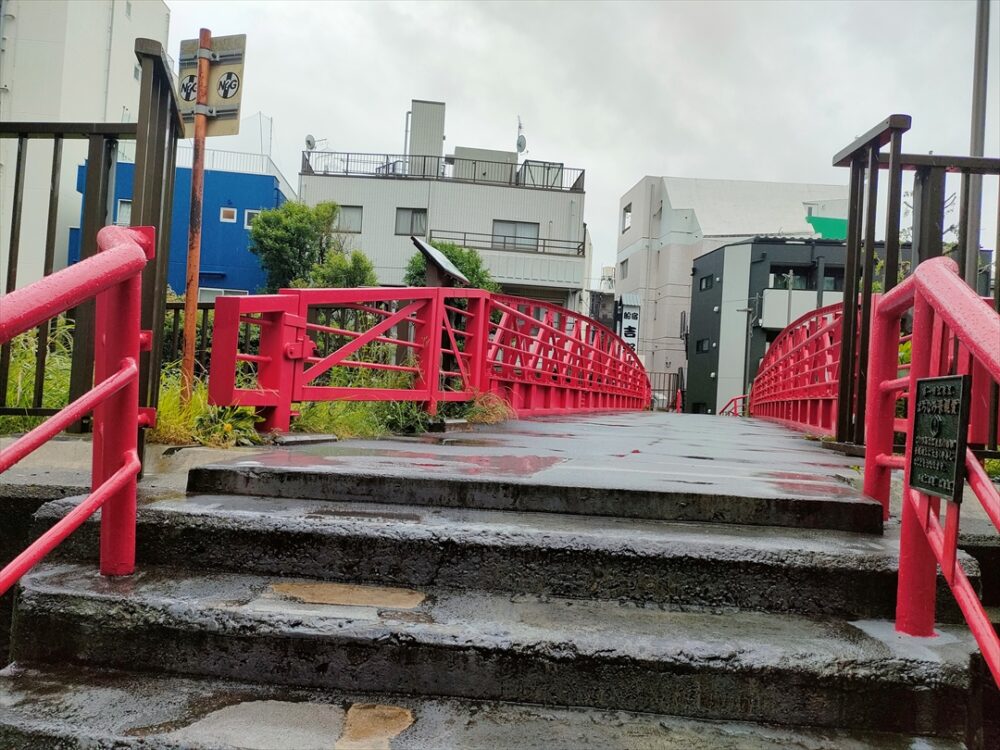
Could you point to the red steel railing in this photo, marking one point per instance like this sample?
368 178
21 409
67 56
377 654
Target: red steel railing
426 344
113 277
796 382
734 407
954 332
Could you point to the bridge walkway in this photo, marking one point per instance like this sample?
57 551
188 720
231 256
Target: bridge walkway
600 581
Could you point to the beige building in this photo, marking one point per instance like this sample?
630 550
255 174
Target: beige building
524 217
666 222
64 61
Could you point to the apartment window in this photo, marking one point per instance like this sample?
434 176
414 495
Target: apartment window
703 346
834 282
248 216
706 282
412 221
624 268
123 216
227 215
136 72
349 219
515 235
626 218
790 277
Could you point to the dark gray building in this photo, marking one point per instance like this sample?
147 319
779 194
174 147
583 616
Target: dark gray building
742 296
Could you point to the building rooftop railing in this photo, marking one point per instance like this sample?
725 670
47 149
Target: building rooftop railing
228 161
484 241
542 175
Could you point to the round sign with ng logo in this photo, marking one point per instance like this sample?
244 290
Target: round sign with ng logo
229 84
189 88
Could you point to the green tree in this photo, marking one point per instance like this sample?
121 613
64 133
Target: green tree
291 239
466 260
341 270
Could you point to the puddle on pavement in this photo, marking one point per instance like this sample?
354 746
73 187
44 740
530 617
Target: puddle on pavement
387 515
346 594
372 726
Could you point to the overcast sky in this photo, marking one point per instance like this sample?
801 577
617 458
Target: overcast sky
742 90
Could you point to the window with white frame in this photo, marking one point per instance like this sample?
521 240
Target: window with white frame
515 235
227 215
626 218
123 217
248 216
623 267
412 221
349 219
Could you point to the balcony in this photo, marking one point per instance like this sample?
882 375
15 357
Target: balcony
778 310
539 175
483 241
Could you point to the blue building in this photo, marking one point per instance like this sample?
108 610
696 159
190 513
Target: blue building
237 187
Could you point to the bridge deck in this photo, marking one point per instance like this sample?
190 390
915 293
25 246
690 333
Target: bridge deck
638 464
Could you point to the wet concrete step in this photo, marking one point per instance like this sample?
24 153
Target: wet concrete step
68 708
799 501
733 666
770 569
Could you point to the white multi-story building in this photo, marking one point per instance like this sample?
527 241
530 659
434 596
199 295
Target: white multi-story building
666 222
64 61
525 218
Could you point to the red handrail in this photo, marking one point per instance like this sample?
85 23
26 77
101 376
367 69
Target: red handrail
445 344
734 407
796 382
113 277
954 332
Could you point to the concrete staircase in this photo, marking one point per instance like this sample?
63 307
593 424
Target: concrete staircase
286 608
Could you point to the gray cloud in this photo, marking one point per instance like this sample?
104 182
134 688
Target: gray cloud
741 90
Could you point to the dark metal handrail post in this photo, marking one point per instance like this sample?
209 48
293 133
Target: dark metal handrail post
863 154
160 126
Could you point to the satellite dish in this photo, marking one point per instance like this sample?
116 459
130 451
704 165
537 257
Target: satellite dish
522 142
310 143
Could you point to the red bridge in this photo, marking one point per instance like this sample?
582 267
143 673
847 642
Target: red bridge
590 576
443 344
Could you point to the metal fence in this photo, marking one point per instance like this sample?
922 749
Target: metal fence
425 344
112 279
866 160
173 335
484 241
665 388
528 174
155 136
953 333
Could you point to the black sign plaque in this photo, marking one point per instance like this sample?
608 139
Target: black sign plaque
940 431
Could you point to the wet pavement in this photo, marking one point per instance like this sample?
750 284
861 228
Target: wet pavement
495 646
634 450
673 467
42 710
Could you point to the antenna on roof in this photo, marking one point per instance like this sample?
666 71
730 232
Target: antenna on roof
522 142
311 142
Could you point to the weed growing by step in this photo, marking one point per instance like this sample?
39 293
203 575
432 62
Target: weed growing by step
200 422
